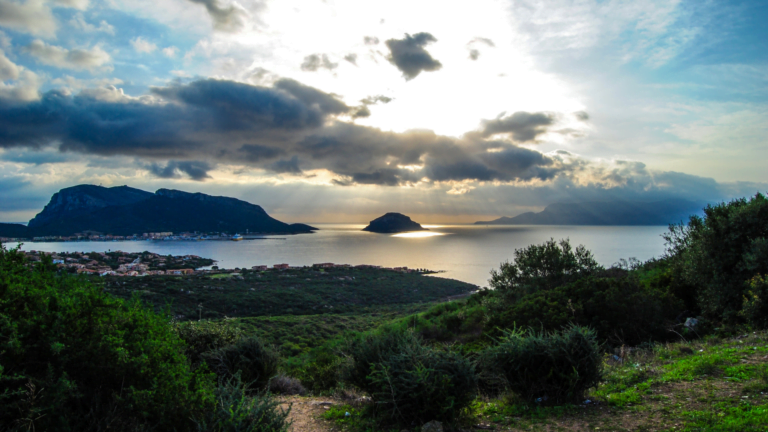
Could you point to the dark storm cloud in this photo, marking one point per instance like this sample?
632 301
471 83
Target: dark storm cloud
314 62
352 58
288 128
290 166
35 158
521 126
225 18
370 40
408 54
196 170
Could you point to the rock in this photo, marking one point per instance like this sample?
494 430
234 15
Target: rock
433 426
393 223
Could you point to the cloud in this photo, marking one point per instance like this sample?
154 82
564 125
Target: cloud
17 84
370 40
33 17
229 18
170 51
78 22
408 54
373 100
314 62
288 128
142 45
352 58
75 4
195 170
8 69
521 126
78 59
474 53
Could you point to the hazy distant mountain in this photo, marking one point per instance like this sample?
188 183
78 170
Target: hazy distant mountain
606 213
123 211
393 223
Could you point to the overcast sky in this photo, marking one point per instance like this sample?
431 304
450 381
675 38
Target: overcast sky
336 110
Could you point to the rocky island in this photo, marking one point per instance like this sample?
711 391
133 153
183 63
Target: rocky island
393 223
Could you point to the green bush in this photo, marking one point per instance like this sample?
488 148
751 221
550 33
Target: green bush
317 370
755 308
544 367
204 336
237 411
73 358
620 310
410 382
543 267
255 362
721 252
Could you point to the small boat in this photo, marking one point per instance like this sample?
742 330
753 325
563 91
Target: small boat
237 237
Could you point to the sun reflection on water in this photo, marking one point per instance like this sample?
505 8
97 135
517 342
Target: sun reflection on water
418 234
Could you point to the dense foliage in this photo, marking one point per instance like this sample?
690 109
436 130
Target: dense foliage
74 358
543 267
544 367
721 251
619 309
410 382
755 308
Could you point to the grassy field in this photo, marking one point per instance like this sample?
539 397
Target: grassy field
706 385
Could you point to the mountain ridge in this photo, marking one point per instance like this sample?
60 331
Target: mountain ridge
123 210
607 213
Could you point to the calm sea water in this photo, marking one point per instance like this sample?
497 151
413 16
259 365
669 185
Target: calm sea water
465 252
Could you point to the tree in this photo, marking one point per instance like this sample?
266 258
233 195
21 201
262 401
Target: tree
543 267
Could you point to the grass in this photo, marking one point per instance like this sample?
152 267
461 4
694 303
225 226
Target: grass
706 385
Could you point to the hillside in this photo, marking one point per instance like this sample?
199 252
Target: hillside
124 211
605 213
13 230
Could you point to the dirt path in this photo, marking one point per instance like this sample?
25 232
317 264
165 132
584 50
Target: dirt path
306 414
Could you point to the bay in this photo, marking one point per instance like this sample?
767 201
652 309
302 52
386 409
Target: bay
464 252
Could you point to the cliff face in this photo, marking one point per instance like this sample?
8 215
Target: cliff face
393 223
125 211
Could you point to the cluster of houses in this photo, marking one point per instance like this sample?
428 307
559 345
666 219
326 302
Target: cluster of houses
93 236
120 263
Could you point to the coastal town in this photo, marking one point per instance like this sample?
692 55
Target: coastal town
119 263
148 236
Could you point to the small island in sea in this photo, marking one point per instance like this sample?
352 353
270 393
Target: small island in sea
393 223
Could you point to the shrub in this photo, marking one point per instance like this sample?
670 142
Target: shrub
722 251
620 310
236 411
410 382
75 358
547 367
317 370
204 336
256 362
755 308
543 267
286 385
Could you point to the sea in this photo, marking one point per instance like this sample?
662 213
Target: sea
463 252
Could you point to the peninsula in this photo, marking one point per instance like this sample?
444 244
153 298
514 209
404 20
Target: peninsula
393 223
87 210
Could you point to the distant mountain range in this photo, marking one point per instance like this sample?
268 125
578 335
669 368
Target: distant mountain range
606 213
124 210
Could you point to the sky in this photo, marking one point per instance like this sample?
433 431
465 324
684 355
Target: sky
340 111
